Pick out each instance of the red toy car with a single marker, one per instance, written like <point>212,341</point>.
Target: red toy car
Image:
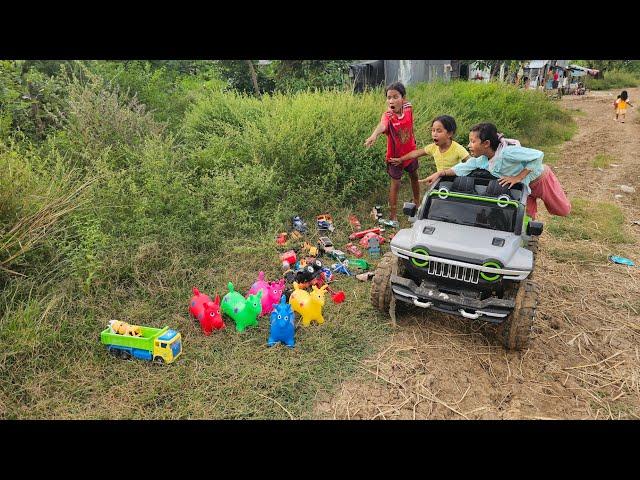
<point>362,233</point>
<point>351,248</point>
<point>364,241</point>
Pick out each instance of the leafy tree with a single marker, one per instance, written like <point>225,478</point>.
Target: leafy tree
<point>296,75</point>
<point>239,76</point>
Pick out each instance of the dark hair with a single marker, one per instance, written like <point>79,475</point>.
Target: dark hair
<point>624,95</point>
<point>487,131</point>
<point>447,122</point>
<point>397,86</point>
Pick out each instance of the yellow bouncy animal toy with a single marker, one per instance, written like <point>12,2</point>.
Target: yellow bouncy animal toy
<point>123,328</point>
<point>308,305</point>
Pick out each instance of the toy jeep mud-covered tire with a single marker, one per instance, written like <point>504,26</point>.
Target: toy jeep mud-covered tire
<point>515,331</point>
<point>532,245</point>
<point>381,286</point>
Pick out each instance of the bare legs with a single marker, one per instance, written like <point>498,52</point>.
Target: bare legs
<point>393,199</point>
<point>393,194</point>
<point>415,187</point>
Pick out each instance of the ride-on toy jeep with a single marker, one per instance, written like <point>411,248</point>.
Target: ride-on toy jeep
<point>470,252</point>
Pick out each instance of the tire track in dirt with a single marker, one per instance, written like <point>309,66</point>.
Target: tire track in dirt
<point>583,361</point>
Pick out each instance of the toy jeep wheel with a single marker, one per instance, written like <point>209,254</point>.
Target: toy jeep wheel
<point>532,246</point>
<point>381,286</point>
<point>159,359</point>
<point>515,331</point>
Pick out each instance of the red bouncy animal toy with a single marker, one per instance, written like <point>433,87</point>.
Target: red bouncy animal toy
<point>206,312</point>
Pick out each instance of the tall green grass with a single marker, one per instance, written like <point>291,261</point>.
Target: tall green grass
<point>613,79</point>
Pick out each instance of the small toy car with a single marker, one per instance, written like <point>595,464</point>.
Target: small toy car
<point>310,249</point>
<point>359,263</point>
<point>362,233</point>
<point>354,222</point>
<point>354,250</point>
<point>364,241</point>
<point>338,255</point>
<point>289,257</point>
<point>341,268</point>
<point>376,212</point>
<point>325,245</point>
<point>299,224</point>
<point>281,238</point>
<point>389,223</point>
<point>325,222</point>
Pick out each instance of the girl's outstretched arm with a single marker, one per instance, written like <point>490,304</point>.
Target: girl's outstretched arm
<point>442,173</point>
<point>411,155</point>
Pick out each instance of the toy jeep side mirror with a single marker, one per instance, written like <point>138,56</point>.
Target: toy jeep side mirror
<point>534,228</point>
<point>409,209</point>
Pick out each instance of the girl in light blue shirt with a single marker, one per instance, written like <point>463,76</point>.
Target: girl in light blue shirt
<point>511,164</point>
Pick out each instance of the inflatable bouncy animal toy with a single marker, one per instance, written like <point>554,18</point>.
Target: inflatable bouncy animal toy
<point>282,324</point>
<point>244,311</point>
<point>309,305</point>
<point>123,328</point>
<point>206,312</point>
<point>271,292</point>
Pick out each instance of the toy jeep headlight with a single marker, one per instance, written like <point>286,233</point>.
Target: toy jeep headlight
<point>417,262</point>
<point>490,277</point>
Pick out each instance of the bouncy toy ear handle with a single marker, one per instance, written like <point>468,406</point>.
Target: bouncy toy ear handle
<point>196,292</point>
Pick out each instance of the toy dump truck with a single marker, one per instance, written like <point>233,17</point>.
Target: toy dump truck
<point>161,345</point>
<point>470,252</point>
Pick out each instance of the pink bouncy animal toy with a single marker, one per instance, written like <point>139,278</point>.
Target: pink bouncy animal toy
<point>309,305</point>
<point>271,293</point>
<point>206,312</point>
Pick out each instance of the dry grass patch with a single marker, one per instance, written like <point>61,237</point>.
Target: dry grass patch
<point>590,220</point>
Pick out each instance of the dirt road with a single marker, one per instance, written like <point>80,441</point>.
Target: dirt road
<point>584,359</point>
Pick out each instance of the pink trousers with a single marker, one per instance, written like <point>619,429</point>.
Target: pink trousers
<point>547,188</point>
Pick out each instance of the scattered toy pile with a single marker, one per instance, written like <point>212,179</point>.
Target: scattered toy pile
<point>302,269</point>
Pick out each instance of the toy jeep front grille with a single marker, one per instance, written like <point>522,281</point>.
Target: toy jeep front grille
<point>454,272</point>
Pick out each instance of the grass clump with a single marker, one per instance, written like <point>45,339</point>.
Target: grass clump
<point>602,160</point>
<point>590,220</point>
<point>579,255</point>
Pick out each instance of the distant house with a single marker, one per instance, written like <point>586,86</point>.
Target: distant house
<point>372,73</point>
<point>536,71</point>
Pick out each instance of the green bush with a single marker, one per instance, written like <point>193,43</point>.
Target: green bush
<point>613,79</point>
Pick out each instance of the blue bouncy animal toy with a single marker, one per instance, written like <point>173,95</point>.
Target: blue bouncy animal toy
<point>282,324</point>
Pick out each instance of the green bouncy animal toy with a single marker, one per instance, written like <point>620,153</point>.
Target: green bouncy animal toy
<point>243,311</point>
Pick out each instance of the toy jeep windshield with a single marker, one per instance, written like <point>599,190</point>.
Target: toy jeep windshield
<point>470,252</point>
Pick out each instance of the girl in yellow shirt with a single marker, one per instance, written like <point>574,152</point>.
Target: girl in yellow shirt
<point>445,151</point>
<point>621,105</point>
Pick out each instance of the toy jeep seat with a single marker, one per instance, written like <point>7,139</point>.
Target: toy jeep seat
<point>480,186</point>
<point>494,189</point>
<point>463,185</point>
